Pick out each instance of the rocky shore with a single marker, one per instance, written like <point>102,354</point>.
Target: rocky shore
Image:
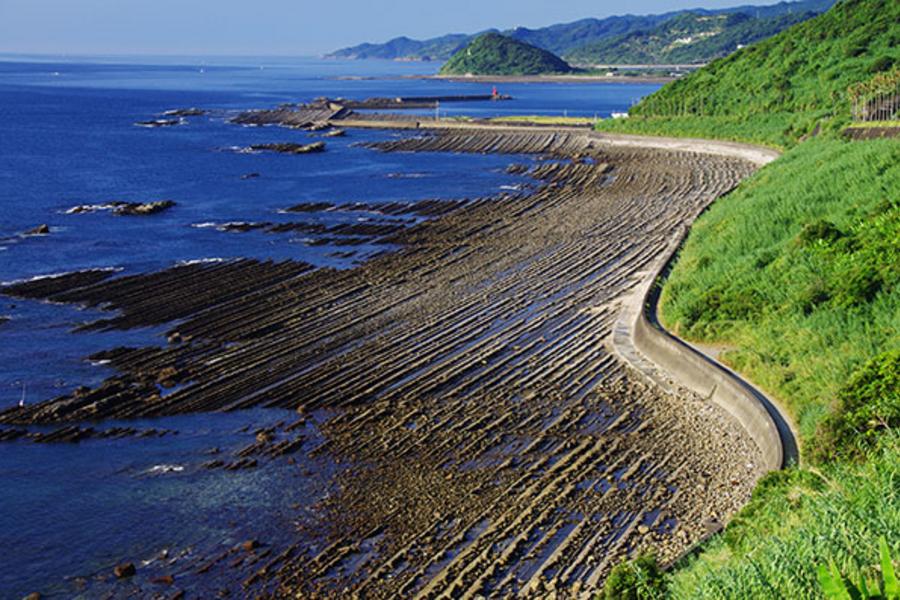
<point>496,445</point>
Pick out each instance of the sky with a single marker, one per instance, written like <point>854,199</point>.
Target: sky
<point>280,27</point>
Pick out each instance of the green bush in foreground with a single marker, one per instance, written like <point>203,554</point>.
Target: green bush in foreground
<point>839,587</point>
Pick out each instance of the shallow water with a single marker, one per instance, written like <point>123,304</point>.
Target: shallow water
<point>67,137</point>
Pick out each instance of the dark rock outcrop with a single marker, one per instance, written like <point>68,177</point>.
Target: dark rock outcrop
<point>124,208</point>
<point>185,112</point>
<point>39,230</point>
<point>125,570</point>
<point>291,148</point>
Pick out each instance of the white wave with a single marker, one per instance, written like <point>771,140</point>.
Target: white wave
<point>84,208</point>
<point>200,261</point>
<point>163,469</point>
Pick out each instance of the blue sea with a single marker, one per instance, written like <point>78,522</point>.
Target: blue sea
<point>68,138</point>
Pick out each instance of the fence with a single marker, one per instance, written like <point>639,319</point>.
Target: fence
<point>877,99</point>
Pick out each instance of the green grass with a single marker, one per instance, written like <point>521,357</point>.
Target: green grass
<point>798,271</point>
<point>797,521</point>
<point>806,68</point>
<point>869,124</point>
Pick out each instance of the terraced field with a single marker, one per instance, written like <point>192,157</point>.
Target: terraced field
<point>494,446</point>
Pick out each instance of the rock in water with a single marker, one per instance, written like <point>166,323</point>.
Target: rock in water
<point>143,209</point>
<point>125,570</point>
<point>291,148</point>
<point>39,230</point>
<point>124,208</point>
<point>185,112</point>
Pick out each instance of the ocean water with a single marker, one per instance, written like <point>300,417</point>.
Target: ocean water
<point>68,138</point>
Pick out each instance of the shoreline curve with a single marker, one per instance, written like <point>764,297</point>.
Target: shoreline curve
<point>639,339</point>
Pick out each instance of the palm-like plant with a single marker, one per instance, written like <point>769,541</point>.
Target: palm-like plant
<point>837,587</point>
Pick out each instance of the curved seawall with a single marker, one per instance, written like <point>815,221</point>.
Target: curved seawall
<point>639,339</point>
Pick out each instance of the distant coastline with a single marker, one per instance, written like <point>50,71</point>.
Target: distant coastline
<point>544,78</point>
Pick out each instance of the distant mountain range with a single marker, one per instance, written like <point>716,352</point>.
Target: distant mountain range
<point>682,36</point>
<point>686,39</point>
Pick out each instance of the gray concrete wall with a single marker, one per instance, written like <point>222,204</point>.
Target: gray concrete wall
<point>670,362</point>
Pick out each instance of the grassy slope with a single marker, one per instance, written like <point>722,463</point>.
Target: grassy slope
<point>797,271</point>
<point>494,54</point>
<point>802,312</point>
<point>781,86</point>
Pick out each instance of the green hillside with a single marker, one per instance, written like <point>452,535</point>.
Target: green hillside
<point>495,54</point>
<point>797,274</point>
<point>779,89</point>
<point>689,38</point>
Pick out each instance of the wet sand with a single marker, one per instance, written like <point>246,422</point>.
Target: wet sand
<point>497,446</point>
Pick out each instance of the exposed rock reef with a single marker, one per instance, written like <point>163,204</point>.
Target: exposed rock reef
<point>133,209</point>
<point>496,446</point>
<point>290,148</point>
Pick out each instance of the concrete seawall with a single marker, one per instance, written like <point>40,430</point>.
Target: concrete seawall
<point>640,340</point>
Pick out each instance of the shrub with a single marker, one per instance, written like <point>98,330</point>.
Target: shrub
<point>859,286</point>
<point>882,64</point>
<point>640,579</point>
<point>868,405</point>
<point>820,230</point>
